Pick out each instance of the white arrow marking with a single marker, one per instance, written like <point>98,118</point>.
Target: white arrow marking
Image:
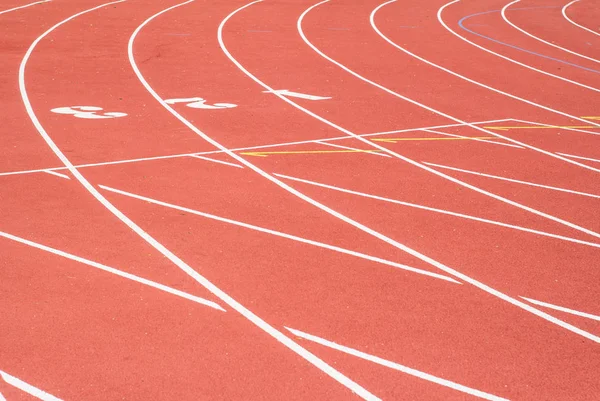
<point>286,92</point>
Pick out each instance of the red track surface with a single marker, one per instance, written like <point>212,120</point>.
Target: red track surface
<point>436,246</point>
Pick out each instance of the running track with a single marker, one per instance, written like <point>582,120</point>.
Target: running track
<point>301,200</point>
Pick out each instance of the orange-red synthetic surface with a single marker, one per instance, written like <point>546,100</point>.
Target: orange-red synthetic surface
<point>344,200</point>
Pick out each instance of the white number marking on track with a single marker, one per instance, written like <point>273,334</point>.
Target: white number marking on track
<point>200,103</point>
<point>88,112</point>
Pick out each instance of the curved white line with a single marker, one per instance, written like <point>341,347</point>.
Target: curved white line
<point>374,26</point>
<point>564,13</point>
<point>420,165</point>
<point>503,12</point>
<point>279,336</point>
<point>23,6</point>
<point>439,14</point>
<point>358,225</point>
<point>308,356</point>
<point>28,388</point>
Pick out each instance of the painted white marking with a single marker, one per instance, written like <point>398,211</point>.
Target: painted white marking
<point>174,156</point>
<point>563,309</point>
<point>281,234</point>
<point>439,16</point>
<point>503,12</point>
<point>442,211</point>
<point>440,11</point>
<point>200,103</point>
<point>2,397</point>
<point>396,366</point>
<point>355,149</point>
<point>23,6</point>
<point>417,164</point>
<point>276,334</point>
<point>114,271</point>
<point>580,157</point>
<point>87,112</point>
<point>354,223</point>
<point>473,139</point>
<point>217,161</point>
<point>260,323</point>
<point>57,174</point>
<point>28,388</point>
<point>285,92</point>
<point>558,127</point>
<point>564,13</point>
<point>513,180</point>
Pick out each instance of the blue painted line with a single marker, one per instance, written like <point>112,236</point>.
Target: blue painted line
<point>461,24</point>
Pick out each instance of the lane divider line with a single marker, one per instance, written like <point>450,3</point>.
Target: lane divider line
<point>580,157</point>
<point>281,234</point>
<point>112,270</point>
<point>564,13</point>
<point>272,331</point>
<point>23,6</point>
<point>440,19</point>
<point>497,177</point>
<point>356,224</point>
<point>563,309</point>
<point>442,211</point>
<point>396,366</point>
<point>260,323</point>
<point>460,23</point>
<point>503,12</point>
<point>27,388</point>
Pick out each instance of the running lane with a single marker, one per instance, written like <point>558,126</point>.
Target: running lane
<point>585,14</point>
<point>544,20</point>
<point>330,299</point>
<point>80,333</point>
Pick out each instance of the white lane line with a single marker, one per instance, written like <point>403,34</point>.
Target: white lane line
<point>355,149</point>
<point>281,234</point>
<point>513,180</point>
<point>279,336</point>
<point>417,164</point>
<point>399,131</point>
<point>563,309</point>
<point>440,11</point>
<point>374,26</point>
<point>28,388</point>
<point>112,270</point>
<point>24,6</point>
<point>260,323</point>
<point>273,145</point>
<point>362,227</point>
<point>217,161</point>
<point>564,13</point>
<point>442,211</point>
<point>2,397</point>
<point>503,12</point>
<point>396,366</point>
<point>473,139</point>
<point>559,127</point>
<point>57,174</point>
<point>580,157</point>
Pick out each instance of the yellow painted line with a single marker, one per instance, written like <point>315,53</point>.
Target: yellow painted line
<point>394,140</point>
<point>306,152</point>
<point>591,118</point>
<point>543,127</point>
